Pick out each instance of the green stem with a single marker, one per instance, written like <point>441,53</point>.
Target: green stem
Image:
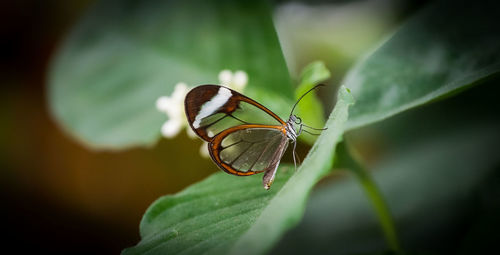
<point>348,159</point>
<point>381,208</point>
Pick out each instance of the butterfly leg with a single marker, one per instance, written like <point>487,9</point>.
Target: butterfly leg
<point>304,125</point>
<point>310,132</point>
<point>312,127</point>
<point>295,146</point>
<point>293,154</point>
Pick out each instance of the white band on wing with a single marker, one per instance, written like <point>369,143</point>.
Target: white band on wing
<point>213,105</point>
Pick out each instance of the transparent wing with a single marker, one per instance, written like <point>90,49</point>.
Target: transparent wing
<point>210,109</point>
<point>248,149</point>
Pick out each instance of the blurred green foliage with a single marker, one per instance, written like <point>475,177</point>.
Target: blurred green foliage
<point>437,52</point>
<point>310,108</point>
<point>438,172</point>
<point>124,54</point>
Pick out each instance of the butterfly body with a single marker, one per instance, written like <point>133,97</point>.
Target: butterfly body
<point>244,137</point>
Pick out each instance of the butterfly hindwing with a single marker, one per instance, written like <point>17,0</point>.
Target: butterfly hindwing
<point>248,149</point>
<point>210,109</point>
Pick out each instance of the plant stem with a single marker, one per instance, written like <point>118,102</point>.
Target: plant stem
<point>381,208</point>
<point>348,159</point>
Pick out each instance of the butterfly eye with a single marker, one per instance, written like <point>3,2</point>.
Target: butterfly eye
<point>298,120</point>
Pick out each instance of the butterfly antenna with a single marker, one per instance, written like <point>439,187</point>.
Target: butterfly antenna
<point>300,98</point>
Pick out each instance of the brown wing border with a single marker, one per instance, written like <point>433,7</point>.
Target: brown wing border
<point>214,147</point>
<point>197,96</point>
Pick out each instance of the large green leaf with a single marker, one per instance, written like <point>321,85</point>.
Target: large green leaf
<point>225,214</point>
<point>445,47</point>
<point>431,187</point>
<point>433,165</point>
<point>123,55</point>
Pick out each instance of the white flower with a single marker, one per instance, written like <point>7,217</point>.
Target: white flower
<point>237,80</point>
<point>225,77</point>
<point>173,106</point>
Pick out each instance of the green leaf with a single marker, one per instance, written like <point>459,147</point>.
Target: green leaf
<point>313,74</point>
<point>449,45</point>
<point>123,55</point>
<point>348,158</point>
<point>207,216</point>
<point>310,108</point>
<point>433,165</point>
<point>428,189</point>
<point>225,214</point>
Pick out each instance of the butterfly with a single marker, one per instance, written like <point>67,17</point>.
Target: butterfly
<point>244,137</point>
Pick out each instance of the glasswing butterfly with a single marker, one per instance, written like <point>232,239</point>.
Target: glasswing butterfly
<point>244,137</point>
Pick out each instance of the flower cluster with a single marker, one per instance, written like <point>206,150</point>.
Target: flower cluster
<point>236,81</point>
<point>173,105</point>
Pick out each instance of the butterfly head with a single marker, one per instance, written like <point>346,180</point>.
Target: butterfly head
<point>290,127</point>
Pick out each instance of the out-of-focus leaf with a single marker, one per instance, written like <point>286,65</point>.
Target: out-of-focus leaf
<point>445,47</point>
<point>335,32</point>
<point>310,109</point>
<point>123,55</point>
<point>429,187</point>
<point>434,166</point>
<point>224,214</point>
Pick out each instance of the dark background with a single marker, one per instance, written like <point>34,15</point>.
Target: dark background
<point>58,196</point>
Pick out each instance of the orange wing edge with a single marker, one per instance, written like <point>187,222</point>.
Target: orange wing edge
<point>216,143</point>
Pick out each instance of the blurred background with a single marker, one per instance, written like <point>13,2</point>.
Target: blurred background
<point>59,196</point>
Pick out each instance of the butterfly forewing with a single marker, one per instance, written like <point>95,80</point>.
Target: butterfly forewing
<point>210,109</point>
<point>248,149</point>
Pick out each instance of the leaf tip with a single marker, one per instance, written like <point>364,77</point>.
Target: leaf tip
<point>312,74</point>
<point>345,95</point>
